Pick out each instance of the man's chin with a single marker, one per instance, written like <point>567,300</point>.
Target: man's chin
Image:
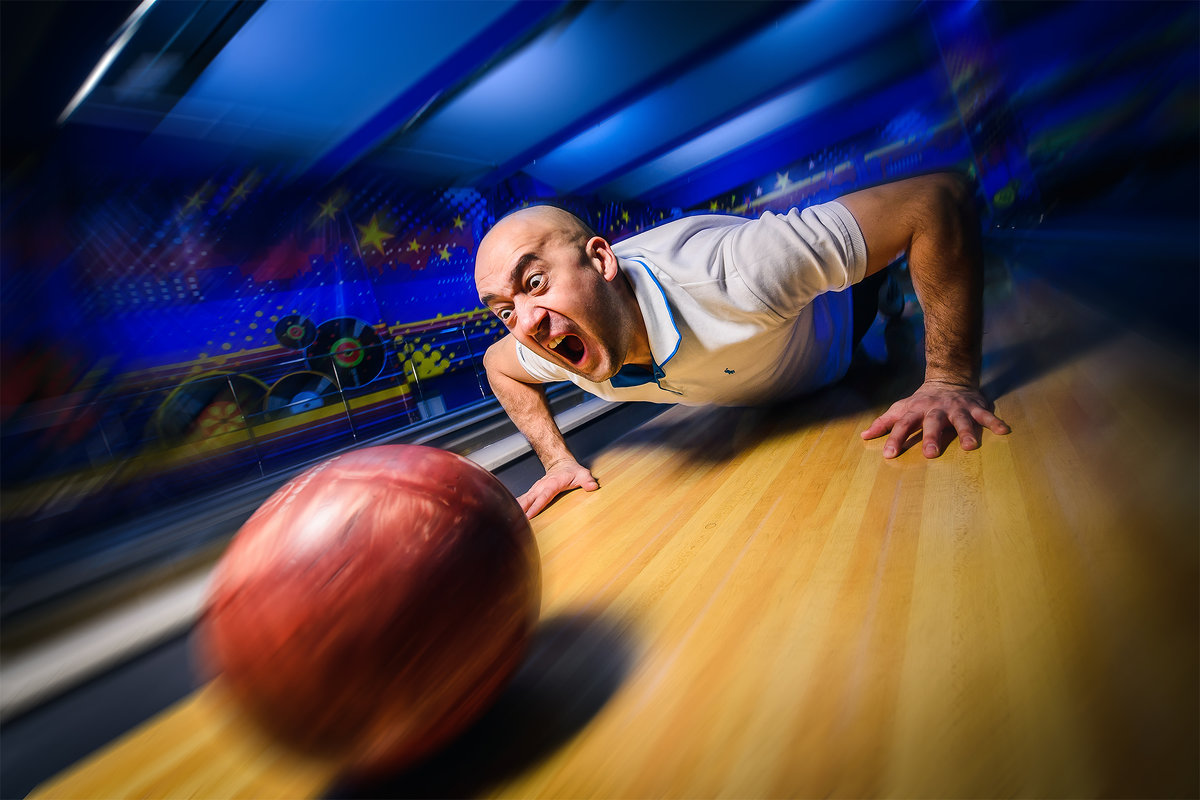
<point>596,373</point>
<point>596,366</point>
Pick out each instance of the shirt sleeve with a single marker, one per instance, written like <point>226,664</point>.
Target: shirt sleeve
<point>788,259</point>
<point>538,367</point>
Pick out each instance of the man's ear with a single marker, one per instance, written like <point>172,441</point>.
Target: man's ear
<point>601,254</point>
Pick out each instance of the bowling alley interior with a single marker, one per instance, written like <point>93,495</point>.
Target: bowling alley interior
<point>238,250</point>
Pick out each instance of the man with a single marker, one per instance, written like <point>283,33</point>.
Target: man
<point>723,310</point>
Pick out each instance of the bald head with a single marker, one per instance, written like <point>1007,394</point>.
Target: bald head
<point>533,229</point>
<point>548,220</point>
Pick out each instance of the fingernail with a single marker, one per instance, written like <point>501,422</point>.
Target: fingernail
<point>931,450</point>
<point>889,451</point>
<point>969,442</point>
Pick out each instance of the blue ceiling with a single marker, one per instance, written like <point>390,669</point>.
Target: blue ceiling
<point>632,99</point>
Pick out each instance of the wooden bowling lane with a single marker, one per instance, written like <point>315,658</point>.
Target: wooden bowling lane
<point>813,621</point>
<point>201,747</point>
<point>756,604</point>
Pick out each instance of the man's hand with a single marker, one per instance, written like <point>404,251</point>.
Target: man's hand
<point>932,218</point>
<point>560,477</point>
<point>938,410</point>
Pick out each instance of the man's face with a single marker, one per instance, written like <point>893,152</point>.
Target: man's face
<point>554,290</point>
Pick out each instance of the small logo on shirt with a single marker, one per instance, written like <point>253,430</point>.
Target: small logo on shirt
<point>728,371</point>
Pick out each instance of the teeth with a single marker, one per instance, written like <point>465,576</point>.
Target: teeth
<point>555,342</point>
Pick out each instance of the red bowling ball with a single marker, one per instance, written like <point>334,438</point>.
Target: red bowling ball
<point>375,605</point>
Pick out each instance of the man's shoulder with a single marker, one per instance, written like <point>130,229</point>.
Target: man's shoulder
<point>672,230</point>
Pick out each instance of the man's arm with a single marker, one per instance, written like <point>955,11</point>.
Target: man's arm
<point>525,402</point>
<point>932,219</point>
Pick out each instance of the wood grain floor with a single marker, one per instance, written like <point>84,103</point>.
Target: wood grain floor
<point>756,604</point>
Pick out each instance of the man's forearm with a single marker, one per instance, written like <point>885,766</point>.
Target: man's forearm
<point>933,219</point>
<point>527,407</point>
<point>945,262</point>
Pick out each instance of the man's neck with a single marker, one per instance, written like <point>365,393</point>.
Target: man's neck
<point>639,353</point>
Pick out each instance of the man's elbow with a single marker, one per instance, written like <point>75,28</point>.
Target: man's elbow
<point>950,192</point>
<point>491,357</point>
<point>945,207</point>
<point>952,218</point>
<point>500,362</point>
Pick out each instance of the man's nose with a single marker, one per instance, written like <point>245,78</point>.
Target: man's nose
<point>530,317</point>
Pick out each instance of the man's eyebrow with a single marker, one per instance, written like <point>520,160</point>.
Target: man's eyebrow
<point>514,277</point>
<point>519,268</point>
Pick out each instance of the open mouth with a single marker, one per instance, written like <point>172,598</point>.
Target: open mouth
<point>569,346</point>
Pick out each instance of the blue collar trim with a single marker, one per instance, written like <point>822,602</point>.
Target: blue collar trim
<point>665,306</point>
<point>633,374</point>
<point>636,375</point>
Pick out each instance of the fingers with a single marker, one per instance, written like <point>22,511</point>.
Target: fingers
<point>907,425</point>
<point>991,421</point>
<point>878,428</point>
<point>968,429</point>
<point>937,427</point>
<point>535,500</point>
<point>580,477</point>
<point>577,476</point>
<point>933,427</point>
<point>540,495</point>
<point>883,424</point>
<point>549,487</point>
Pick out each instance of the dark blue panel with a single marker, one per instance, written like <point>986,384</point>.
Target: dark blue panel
<point>300,76</point>
<point>449,71</point>
<point>807,38</point>
<point>805,136</point>
<point>576,69</point>
<point>851,78</point>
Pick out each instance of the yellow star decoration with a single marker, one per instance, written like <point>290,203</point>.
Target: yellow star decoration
<point>372,236</point>
<point>241,190</point>
<point>625,216</point>
<point>413,245</point>
<point>712,206</point>
<point>459,222</point>
<point>444,253</point>
<point>781,180</point>
<point>197,200</point>
<point>330,208</point>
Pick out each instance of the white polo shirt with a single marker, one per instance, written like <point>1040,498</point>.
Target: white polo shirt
<point>739,311</point>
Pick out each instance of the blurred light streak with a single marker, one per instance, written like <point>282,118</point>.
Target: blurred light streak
<point>123,35</point>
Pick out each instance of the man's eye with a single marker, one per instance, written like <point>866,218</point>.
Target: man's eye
<point>504,314</point>
<point>536,280</point>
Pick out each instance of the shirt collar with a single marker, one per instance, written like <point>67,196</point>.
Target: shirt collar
<point>661,329</point>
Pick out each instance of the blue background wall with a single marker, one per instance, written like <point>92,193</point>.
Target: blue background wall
<point>161,242</point>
